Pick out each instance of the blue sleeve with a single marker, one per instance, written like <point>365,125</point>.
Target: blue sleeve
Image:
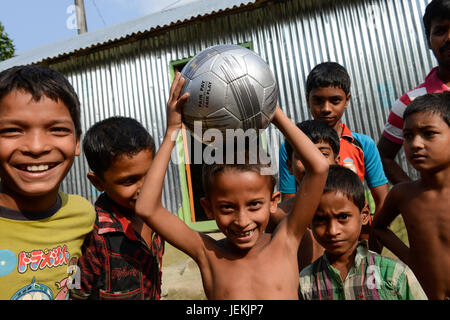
<point>374,173</point>
<point>287,180</point>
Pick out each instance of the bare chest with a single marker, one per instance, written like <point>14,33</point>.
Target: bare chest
<point>268,275</point>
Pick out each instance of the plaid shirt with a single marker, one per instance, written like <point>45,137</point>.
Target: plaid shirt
<point>116,262</point>
<point>372,277</point>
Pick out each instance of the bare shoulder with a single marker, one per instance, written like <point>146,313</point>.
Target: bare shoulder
<point>404,190</point>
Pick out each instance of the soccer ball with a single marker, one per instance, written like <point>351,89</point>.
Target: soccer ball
<point>230,87</point>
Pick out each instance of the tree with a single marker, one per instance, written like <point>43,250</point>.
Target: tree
<point>6,45</point>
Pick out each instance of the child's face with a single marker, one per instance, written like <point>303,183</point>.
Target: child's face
<point>38,144</point>
<point>123,180</point>
<point>241,202</point>
<point>439,41</point>
<point>337,224</point>
<point>426,140</point>
<point>328,104</point>
<point>296,167</point>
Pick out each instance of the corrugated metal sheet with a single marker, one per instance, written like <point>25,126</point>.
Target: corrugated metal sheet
<point>153,22</point>
<point>380,42</point>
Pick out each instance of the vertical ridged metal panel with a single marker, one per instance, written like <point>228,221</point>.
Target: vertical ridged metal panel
<point>380,42</point>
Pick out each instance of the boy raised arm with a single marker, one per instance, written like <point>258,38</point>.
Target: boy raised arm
<point>316,165</point>
<point>149,205</point>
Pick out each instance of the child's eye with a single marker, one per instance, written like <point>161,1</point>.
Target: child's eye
<point>9,131</point>
<point>343,216</point>
<point>429,133</point>
<point>60,130</point>
<point>226,208</point>
<point>255,205</point>
<point>407,136</point>
<point>336,100</point>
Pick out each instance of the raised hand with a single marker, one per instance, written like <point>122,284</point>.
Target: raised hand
<point>175,103</point>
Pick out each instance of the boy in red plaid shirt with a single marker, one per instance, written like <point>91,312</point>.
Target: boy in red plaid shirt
<point>122,255</point>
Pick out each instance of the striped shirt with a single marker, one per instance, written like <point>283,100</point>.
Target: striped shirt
<point>393,130</point>
<point>372,277</point>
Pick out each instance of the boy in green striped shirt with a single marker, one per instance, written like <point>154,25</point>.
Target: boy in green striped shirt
<point>348,270</point>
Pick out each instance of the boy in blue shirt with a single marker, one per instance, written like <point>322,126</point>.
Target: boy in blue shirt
<point>327,96</point>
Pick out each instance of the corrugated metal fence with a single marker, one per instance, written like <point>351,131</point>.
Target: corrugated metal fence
<point>381,43</point>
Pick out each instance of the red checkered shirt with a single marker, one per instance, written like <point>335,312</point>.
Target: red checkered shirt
<point>116,261</point>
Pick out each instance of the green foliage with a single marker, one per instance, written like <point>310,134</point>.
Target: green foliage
<point>6,45</point>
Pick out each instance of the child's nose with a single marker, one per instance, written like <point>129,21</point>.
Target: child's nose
<point>326,107</point>
<point>36,143</point>
<point>333,229</point>
<point>417,142</point>
<point>241,219</point>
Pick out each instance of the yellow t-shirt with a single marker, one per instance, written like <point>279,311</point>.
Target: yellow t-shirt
<point>38,258</point>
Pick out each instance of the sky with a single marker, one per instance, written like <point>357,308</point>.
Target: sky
<point>33,23</point>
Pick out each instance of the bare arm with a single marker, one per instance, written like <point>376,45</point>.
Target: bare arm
<point>148,204</point>
<point>310,192</point>
<point>379,195</point>
<point>383,219</point>
<point>388,150</point>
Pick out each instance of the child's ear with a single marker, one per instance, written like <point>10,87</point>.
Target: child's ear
<point>338,159</point>
<point>96,181</point>
<point>348,99</point>
<point>365,214</point>
<point>78,147</point>
<point>276,197</point>
<point>207,208</point>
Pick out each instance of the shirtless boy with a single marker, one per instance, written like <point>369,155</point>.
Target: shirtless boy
<point>424,204</point>
<point>248,263</point>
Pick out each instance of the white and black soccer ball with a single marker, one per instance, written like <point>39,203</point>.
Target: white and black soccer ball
<point>230,87</point>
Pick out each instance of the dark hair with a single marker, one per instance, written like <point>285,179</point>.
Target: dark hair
<point>436,103</point>
<point>42,81</point>
<point>252,162</point>
<point>436,10</point>
<point>112,137</point>
<point>328,74</point>
<point>317,131</point>
<point>344,180</point>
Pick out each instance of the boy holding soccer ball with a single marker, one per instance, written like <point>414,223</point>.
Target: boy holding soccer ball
<point>240,198</point>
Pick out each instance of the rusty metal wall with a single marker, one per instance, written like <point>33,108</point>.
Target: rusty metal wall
<point>380,42</point>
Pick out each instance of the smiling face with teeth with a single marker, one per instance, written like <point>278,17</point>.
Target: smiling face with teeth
<point>241,202</point>
<point>38,143</point>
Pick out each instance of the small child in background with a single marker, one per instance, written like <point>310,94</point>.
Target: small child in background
<point>326,140</point>
<point>41,229</point>
<point>248,263</point>
<point>348,270</point>
<point>122,256</point>
<point>424,204</point>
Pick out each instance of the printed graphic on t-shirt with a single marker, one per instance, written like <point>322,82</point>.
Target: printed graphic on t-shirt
<point>40,260</point>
